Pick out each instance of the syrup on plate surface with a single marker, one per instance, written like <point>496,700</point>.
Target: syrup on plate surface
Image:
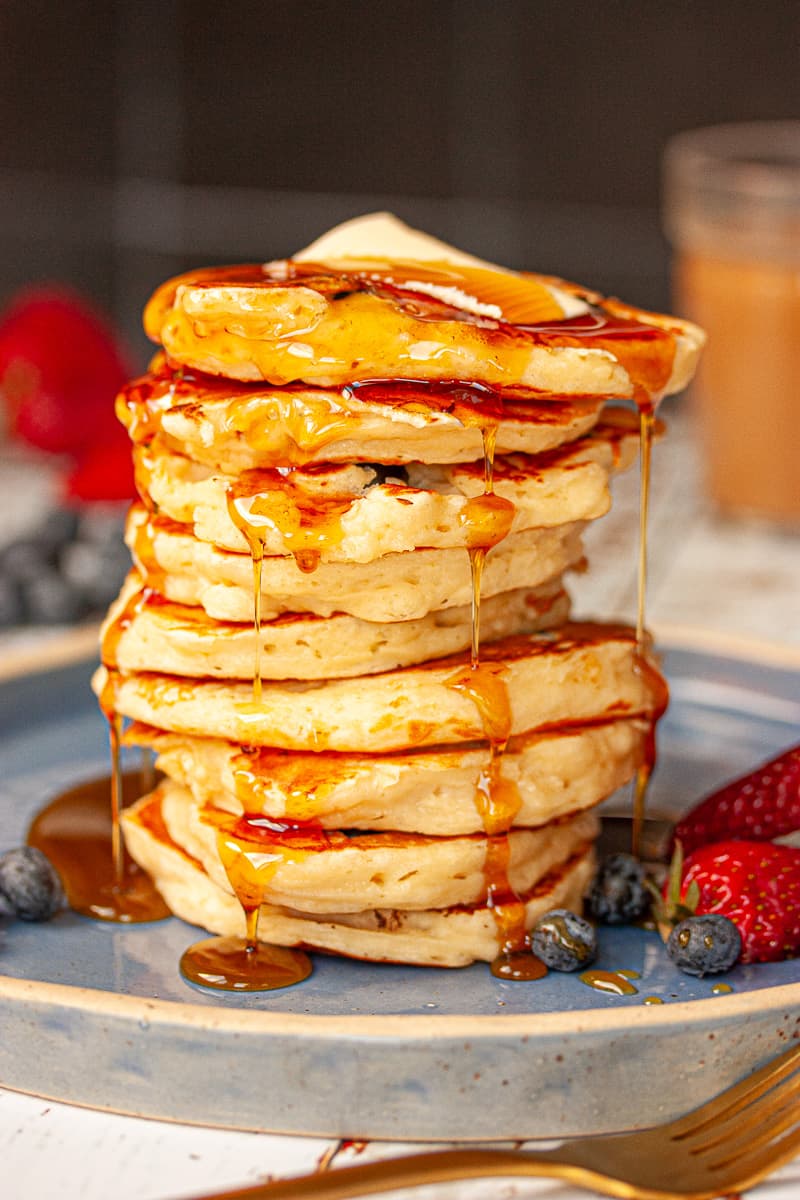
<point>75,831</point>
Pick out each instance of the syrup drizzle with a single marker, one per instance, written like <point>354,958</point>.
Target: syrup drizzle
<point>250,851</point>
<point>647,410</point>
<point>497,799</point>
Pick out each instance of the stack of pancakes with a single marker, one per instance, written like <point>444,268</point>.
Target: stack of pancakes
<point>364,473</point>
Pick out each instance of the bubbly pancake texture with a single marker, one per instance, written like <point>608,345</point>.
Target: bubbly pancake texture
<point>354,514</point>
<point>430,791</point>
<point>452,937</point>
<point>144,632</point>
<point>359,316</point>
<point>234,427</point>
<point>583,672</point>
<point>333,871</point>
<point>396,587</point>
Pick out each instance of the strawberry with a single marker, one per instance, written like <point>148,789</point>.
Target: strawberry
<point>103,472</point>
<point>759,806</point>
<point>756,885</point>
<point>60,369</point>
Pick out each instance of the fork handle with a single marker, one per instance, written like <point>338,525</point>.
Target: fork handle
<point>413,1170</point>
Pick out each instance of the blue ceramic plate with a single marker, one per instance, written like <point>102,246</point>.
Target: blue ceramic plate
<point>421,1052</point>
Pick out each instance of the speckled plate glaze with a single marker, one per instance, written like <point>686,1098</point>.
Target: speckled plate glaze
<point>99,1015</point>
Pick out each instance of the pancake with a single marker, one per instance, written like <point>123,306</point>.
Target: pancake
<point>584,672</point>
<point>431,791</point>
<point>332,871</point>
<point>363,473</point>
<point>144,632</point>
<point>233,427</point>
<point>396,587</point>
<point>347,513</point>
<point>451,937</point>
<point>350,315</point>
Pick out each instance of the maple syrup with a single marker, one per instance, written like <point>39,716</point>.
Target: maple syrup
<point>251,851</point>
<point>235,964</point>
<point>497,799</point>
<point>613,983</point>
<point>76,831</point>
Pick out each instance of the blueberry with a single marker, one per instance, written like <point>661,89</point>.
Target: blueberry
<point>12,609</point>
<point>102,524</point>
<point>704,945</point>
<point>58,528</point>
<point>30,884</point>
<point>563,940</point>
<point>618,894</point>
<point>386,474</point>
<point>96,570</point>
<point>24,559</point>
<point>52,600</point>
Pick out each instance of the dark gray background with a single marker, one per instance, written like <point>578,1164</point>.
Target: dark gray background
<point>139,137</point>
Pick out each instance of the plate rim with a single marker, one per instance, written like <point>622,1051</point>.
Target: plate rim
<point>420,1026</point>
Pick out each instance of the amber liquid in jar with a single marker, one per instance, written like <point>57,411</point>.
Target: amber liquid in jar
<point>747,391</point>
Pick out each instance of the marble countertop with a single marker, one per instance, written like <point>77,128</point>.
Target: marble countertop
<point>732,585</point>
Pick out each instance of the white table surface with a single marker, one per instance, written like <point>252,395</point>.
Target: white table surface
<point>733,585</point>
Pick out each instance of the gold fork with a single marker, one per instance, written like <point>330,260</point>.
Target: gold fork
<point>726,1145</point>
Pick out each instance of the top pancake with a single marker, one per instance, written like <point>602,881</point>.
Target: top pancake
<point>354,308</point>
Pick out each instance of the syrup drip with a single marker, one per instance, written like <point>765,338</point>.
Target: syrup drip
<point>76,833</point>
<point>143,549</point>
<point>613,983</point>
<point>117,851</point>
<point>265,502</point>
<point>647,409</point>
<point>519,966</point>
<point>290,428</point>
<point>268,501</point>
<point>251,852</point>
<point>498,801</point>
<point>257,554</point>
<point>113,889</point>
<point>290,425</point>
